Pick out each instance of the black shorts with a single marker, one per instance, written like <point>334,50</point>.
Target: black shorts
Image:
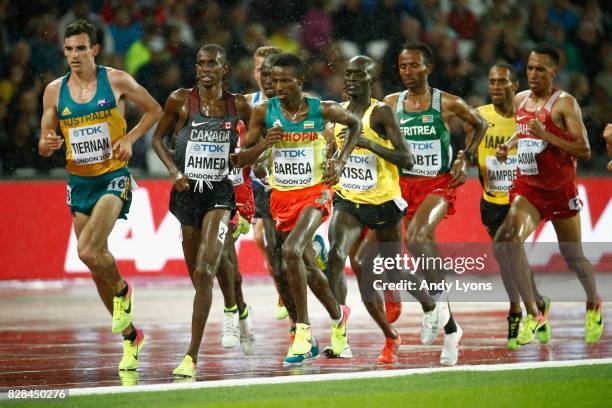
<point>492,215</point>
<point>189,207</point>
<point>262,202</point>
<point>373,216</point>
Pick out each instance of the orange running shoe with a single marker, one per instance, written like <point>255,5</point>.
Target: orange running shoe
<point>389,353</point>
<point>393,310</point>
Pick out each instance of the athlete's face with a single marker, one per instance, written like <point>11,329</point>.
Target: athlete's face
<point>210,68</point>
<point>357,78</point>
<point>413,69</point>
<point>266,79</point>
<point>541,71</point>
<point>257,71</point>
<point>79,53</point>
<point>287,85</point>
<point>501,87</point>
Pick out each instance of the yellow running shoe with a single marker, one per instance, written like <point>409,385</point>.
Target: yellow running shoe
<point>339,339</point>
<point>186,369</point>
<point>131,351</point>
<point>123,310</point>
<point>529,327</point>
<point>593,327</point>
<point>243,227</point>
<point>545,332</point>
<point>281,310</point>
<point>302,343</point>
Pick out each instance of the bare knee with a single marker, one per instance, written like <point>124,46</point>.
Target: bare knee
<point>291,254</point>
<point>89,254</point>
<point>203,276</point>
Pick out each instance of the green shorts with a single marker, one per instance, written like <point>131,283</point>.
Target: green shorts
<point>85,192</point>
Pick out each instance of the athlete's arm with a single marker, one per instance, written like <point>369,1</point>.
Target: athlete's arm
<point>49,141</point>
<point>501,151</point>
<point>572,116</point>
<point>383,122</point>
<point>243,108</point>
<point>254,144</point>
<point>457,107</point>
<point>328,134</point>
<point>127,87</point>
<point>174,103</point>
<point>334,112</point>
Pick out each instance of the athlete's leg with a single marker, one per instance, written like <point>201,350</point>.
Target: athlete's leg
<point>570,243</point>
<point>213,237</point>
<point>344,231</point>
<point>92,235</point>
<point>372,302</point>
<point>227,271</point>
<point>274,254</point>
<point>293,250</point>
<point>522,220</point>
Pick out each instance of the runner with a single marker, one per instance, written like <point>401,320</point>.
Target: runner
<point>429,187</point>
<point>87,104</point>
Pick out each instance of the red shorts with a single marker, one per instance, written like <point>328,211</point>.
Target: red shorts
<point>416,189</point>
<point>245,204</point>
<point>552,204</point>
<point>286,206</point>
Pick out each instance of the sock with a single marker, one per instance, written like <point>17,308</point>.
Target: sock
<point>450,327</point>
<point>244,314</point>
<point>233,309</point>
<point>123,291</point>
<point>519,315</point>
<point>131,336</point>
<point>337,321</point>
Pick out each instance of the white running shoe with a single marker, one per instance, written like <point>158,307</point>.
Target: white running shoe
<point>450,351</point>
<point>231,330</point>
<point>247,339</point>
<point>433,321</point>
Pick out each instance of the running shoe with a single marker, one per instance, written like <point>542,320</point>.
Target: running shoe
<point>304,346</point>
<point>450,350</point>
<point>339,338</point>
<point>243,227</point>
<point>433,321</point>
<point>131,351</point>
<point>123,310</point>
<point>247,339</point>
<point>390,351</point>
<point>514,323</point>
<point>231,329</point>
<point>293,359</point>
<point>528,328</point>
<point>187,368</point>
<point>321,250</point>
<point>393,310</point>
<point>593,325</point>
<point>281,310</point>
<point>346,353</point>
<point>545,332</point>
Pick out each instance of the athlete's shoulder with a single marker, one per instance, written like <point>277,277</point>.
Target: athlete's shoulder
<point>55,85</point>
<point>485,109</point>
<point>180,94</point>
<point>391,99</point>
<point>518,98</point>
<point>52,90</point>
<point>249,97</point>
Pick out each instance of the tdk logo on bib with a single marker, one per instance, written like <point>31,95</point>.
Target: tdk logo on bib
<point>202,148</point>
<point>294,153</point>
<point>87,131</point>
<point>354,159</point>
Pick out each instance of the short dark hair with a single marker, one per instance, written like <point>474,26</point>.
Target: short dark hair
<point>289,61</point>
<point>427,53</point>
<point>82,26</point>
<point>266,51</point>
<point>510,68</point>
<point>547,49</point>
<point>215,48</point>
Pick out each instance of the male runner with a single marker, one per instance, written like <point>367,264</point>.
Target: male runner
<point>205,120</point>
<point>300,200</point>
<point>496,179</point>
<point>88,104</point>
<point>429,187</point>
<point>264,233</point>
<point>550,136</point>
<point>368,193</point>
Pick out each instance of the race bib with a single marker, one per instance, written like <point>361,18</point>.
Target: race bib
<point>528,150</point>
<point>500,175</point>
<point>206,161</point>
<point>427,157</point>
<point>91,144</point>
<point>293,166</point>
<point>359,173</point>
<point>236,176</point>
